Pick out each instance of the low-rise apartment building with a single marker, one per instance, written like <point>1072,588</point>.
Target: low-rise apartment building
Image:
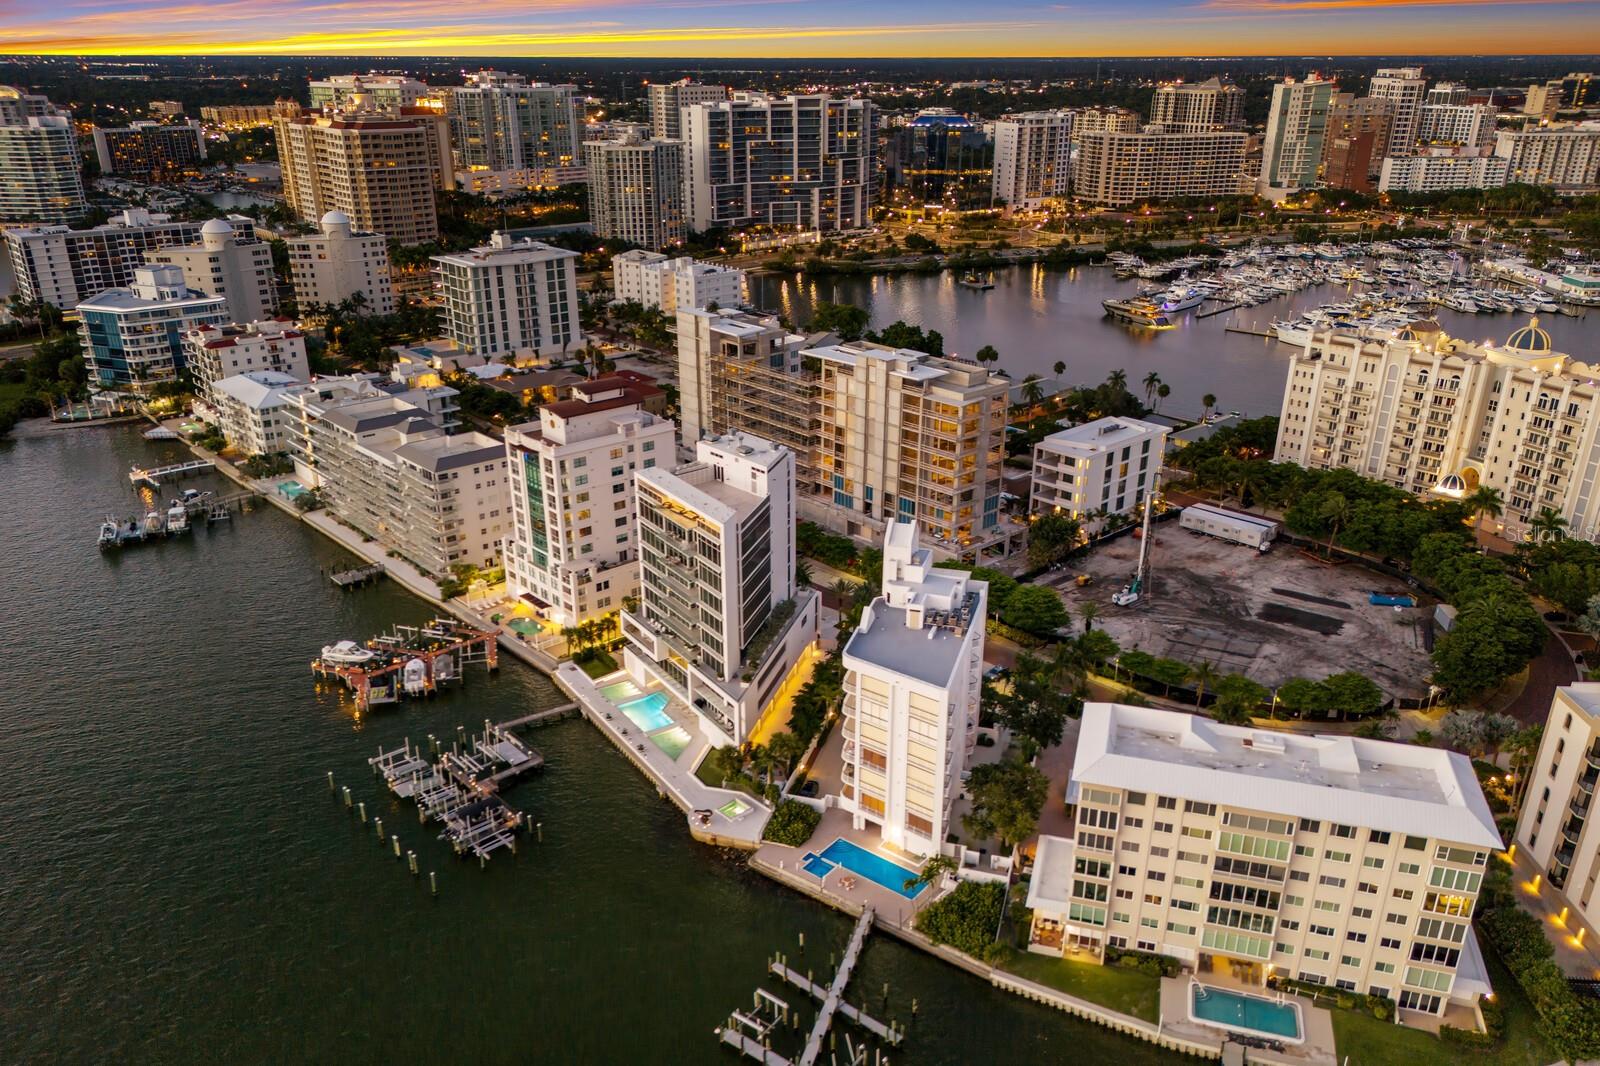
<point>654,280</point>
<point>250,410</point>
<point>215,352</point>
<point>1333,860</point>
<point>1105,467</point>
<point>1443,170</point>
<point>236,268</point>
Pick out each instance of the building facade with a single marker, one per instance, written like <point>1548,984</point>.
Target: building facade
<point>1406,87</point>
<point>1105,467</point>
<point>939,157</point>
<point>368,92</point>
<point>1439,416</point>
<point>1334,860</point>
<point>1566,157</point>
<point>1463,125</point>
<point>382,171</point>
<point>1441,170</point>
<point>41,173</point>
<point>573,549</point>
<point>720,622</point>
<point>251,410</point>
<point>794,162</point>
<point>1105,120</point>
<point>652,279</point>
<point>215,352</point>
<point>339,264</point>
<point>913,677</point>
<point>1554,834</point>
<point>636,190</point>
<point>669,98</point>
<point>1032,157</point>
<point>1297,127</point>
<point>133,337</point>
<point>512,299</point>
<point>151,151</point>
<point>64,266</point>
<point>1357,141</point>
<point>503,123</point>
<point>1197,107</point>
<point>1117,169</point>
<point>238,116</point>
<point>239,269</point>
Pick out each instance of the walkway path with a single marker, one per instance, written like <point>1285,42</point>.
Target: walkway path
<point>1552,669</point>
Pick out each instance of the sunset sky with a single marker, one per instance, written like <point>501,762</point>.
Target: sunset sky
<point>797,28</point>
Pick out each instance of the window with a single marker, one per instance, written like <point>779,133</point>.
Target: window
<point>1133,823</point>
<point>1378,836</point>
<point>1409,868</point>
<point>1360,912</point>
<point>1383,967</point>
<point>1206,810</point>
<point>1166,803</point>
<point>1349,960</point>
<point>1163,827</point>
<point>1355,937</point>
<point>1336,856</point>
<point>1322,930</point>
<point>1327,906</point>
<point>1461,856</point>
<point>1346,831</point>
<point>1415,843</point>
<point>1310,825</point>
<point>1316,953</point>
<point>1389,942</point>
<point>1330,881</point>
<point>1128,871</point>
<point>1182,930</point>
<point>1134,799</point>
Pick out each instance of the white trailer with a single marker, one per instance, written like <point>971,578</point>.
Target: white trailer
<point>1252,532</point>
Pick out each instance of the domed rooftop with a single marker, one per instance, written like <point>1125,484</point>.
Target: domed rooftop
<point>1451,485</point>
<point>1530,338</point>
<point>336,218</point>
<point>218,226</point>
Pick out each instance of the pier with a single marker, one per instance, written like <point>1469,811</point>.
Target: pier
<point>751,1033</point>
<point>1250,332</point>
<point>358,576</point>
<point>152,476</point>
<point>411,661</point>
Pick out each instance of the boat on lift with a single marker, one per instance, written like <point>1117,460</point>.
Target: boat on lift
<point>177,519</point>
<point>108,534</point>
<point>155,524</point>
<point>347,653</point>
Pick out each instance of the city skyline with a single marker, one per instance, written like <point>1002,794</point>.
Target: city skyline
<point>780,29</point>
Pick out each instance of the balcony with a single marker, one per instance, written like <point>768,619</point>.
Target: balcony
<point>1571,830</point>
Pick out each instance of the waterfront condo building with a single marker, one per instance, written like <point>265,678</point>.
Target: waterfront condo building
<point>1461,125</point>
<point>720,621</point>
<point>215,352</point>
<point>151,151</point>
<point>1196,107</point>
<point>939,157</point>
<point>636,190</point>
<point>339,263</point>
<point>1105,467</point>
<point>63,266</point>
<point>668,99</point>
<point>1407,88</point>
<point>250,409</point>
<point>1297,125</point>
<point>41,175</point>
<point>1032,157</point>
<point>913,677</point>
<point>794,162</point>
<point>238,269</point>
<point>510,299</point>
<point>133,337</point>
<point>1556,842</point>
<point>369,92</point>
<point>1118,169</point>
<point>1357,140</point>
<point>573,549</point>
<point>1333,860</point>
<point>652,279</point>
<point>502,124</point>
<point>1436,415</point>
<point>907,436</point>
<point>1565,157</point>
<point>381,170</point>
<point>1443,169</point>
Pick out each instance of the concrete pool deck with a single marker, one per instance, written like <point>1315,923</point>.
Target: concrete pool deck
<point>1317,1023</point>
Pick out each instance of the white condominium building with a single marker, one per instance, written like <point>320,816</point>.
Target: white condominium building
<point>215,352</point>
<point>913,676</point>
<point>1467,125</point>
<point>1105,120</point>
<point>1447,92</point>
<point>905,436</point>
<point>1567,157</point>
<point>1195,107</point>
<point>41,174</point>
<point>63,266</point>
<point>512,299</point>
<point>339,264</point>
<point>251,410</point>
<point>133,336</point>
<point>369,92</point>
<point>1333,860</point>
<point>1032,157</point>
<point>669,98</point>
<point>796,162</point>
<point>501,122</point>
<point>720,622</point>
<point>1439,170</point>
<point>238,269</point>
<point>1430,413</point>
<point>652,279</point>
<point>636,190</point>
<point>1117,169</point>
<point>573,549</point>
<point>1105,467</point>
<point>1407,88</point>
<point>1554,832</point>
<point>1297,125</point>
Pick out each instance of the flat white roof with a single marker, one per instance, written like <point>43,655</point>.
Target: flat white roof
<point>1102,433</point>
<point>929,654</point>
<point>1051,887</point>
<point>1376,784</point>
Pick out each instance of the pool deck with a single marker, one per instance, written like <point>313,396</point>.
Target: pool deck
<point>1318,1049</point>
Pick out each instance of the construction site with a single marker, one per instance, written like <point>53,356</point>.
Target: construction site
<point>1270,616</point>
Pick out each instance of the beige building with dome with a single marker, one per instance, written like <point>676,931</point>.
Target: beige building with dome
<point>231,264</point>
<point>1440,416</point>
<point>338,263</point>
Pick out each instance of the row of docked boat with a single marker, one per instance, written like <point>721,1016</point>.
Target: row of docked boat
<point>155,525</point>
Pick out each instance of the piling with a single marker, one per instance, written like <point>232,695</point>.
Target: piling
<point>396,846</point>
<point>411,860</point>
<point>433,882</point>
<point>379,823</point>
<point>361,809</point>
<point>330,781</point>
<point>347,796</point>
<point>539,826</point>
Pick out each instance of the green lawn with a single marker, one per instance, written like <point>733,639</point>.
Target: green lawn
<point>1121,989</point>
<point>706,772</point>
<point>597,662</point>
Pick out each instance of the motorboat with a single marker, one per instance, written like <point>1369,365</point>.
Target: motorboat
<point>1178,298</point>
<point>1137,312</point>
<point>177,519</point>
<point>155,524</point>
<point>347,653</point>
<point>973,281</point>
<point>1295,333</point>
<point>108,534</point>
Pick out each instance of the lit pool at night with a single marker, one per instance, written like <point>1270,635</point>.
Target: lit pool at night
<point>618,691</point>
<point>876,868</point>
<point>1243,1013</point>
<point>648,712</point>
<point>672,741</point>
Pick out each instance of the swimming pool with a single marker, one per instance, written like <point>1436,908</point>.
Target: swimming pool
<point>1244,1013</point>
<point>526,626</point>
<point>618,691</point>
<point>648,712</point>
<point>858,860</point>
<point>816,865</point>
<point>672,741</point>
<point>734,808</point>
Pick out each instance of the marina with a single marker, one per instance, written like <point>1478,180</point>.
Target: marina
<point>408,661</point>
<point>152,477</point>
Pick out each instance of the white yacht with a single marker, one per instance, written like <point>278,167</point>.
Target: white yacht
<point>177,519</point>
<point>347,653</point>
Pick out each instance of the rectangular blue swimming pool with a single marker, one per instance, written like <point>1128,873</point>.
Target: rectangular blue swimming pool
<point>648,712</point>
<point>875,868</point>
<point>817,866</point>
<point>1244,1013</point>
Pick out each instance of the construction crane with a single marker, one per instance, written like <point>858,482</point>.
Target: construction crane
<point>1129,594</point>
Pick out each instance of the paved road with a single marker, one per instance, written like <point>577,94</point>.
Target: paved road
<point>1552,669</point>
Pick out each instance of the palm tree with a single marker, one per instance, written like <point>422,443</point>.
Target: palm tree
<point>1065,668</point>
<point>1032,391</point>
<point>802,573</point>
<point>1209,401</point>
<point>1204,674</point>
<point>1088,612</point>
<point>1152,382</point>
<point>1060,368</point>
<point>1335,511</point>
<point>1117,379</point>
<point>1485,502</point>
<point>935,868</point>
<point>1162,392</point>
<point>1548,525</point>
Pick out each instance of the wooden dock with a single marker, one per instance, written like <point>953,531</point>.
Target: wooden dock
<point>152,476</point>
<point>443,647</point>
<point>358,576</point>
<point>554,714</point>
<point>1251,332</point>
<point>1218,310</point>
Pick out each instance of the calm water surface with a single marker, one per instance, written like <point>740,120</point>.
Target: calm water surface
<point>180,887</point>
<point>1035,316</point>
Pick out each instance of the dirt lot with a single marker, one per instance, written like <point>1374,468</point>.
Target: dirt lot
<point>1270,617</point>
